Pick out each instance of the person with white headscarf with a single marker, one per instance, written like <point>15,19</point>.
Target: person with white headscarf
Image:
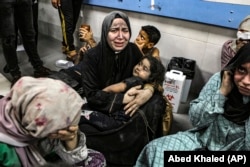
<point>40,116</point>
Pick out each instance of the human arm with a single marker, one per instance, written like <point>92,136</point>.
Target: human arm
<point>68,137</point>
<point>124,85</point>
<point>116,88</point>
<point>87,36</point>
<point>209,104</point>
<point>141,96</point>
<point>156,53</point>
<point>69,144</point>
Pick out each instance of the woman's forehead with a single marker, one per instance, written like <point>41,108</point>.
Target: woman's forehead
<point>119,22</point>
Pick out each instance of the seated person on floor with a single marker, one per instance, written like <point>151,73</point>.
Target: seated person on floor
<point>147,38</point>
<point>220,115</point>
<point>40,117</point>
<point>112,61</point>
<point>148,70</point>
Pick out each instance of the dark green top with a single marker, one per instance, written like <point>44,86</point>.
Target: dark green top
<point>8,156</point>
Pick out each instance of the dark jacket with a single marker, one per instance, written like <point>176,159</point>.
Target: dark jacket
<point>101,70</point>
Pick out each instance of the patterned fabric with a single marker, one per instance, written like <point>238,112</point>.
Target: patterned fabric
<point>228,51</point>
<point>212,131</point>
<point>32,110</point>
<point>95,159</point>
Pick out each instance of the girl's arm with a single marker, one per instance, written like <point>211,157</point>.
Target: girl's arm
<point>124,86</point>
<point>116,88</point>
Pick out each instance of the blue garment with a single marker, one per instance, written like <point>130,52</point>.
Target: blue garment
<point>212,130</point>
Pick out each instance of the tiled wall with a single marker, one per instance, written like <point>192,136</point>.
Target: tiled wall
<point>191,40</point>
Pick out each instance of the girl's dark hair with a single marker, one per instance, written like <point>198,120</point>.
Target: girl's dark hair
<point>157,71</point>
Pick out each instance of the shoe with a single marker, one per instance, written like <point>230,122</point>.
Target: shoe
<point>64,64</point>
<point>42,71</point>
<point>14,80</point>
<point>71,55</point>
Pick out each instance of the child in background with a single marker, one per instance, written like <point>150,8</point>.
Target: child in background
<point>146,40</point>
<point>148,70</point>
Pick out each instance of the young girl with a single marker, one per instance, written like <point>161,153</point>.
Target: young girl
<point>148,70</point>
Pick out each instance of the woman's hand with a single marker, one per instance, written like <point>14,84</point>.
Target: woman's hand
<point>68,136</point>
<point>226,83</point>
<point>141,96</point>
<point>56,3</point>
<point>129,96</point>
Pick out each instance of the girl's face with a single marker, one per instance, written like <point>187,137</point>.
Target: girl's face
<point>142,69</point>
<point>242,79</point>
<point>118,35</point>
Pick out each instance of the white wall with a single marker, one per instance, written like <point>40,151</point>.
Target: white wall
<point>191,40</point>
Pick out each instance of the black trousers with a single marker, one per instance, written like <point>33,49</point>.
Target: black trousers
<point>69,14</point>
<point>35,23</point>
<point>35,18</point>
<point>18,12</point>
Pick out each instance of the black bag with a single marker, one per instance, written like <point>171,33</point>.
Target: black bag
<point>187,66</point>
<point>65,77</point>
<point>121,146</point>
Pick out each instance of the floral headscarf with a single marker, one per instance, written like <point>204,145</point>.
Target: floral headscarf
<point>33,109</point>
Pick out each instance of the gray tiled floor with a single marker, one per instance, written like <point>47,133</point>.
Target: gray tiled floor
<point>49,50</point>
